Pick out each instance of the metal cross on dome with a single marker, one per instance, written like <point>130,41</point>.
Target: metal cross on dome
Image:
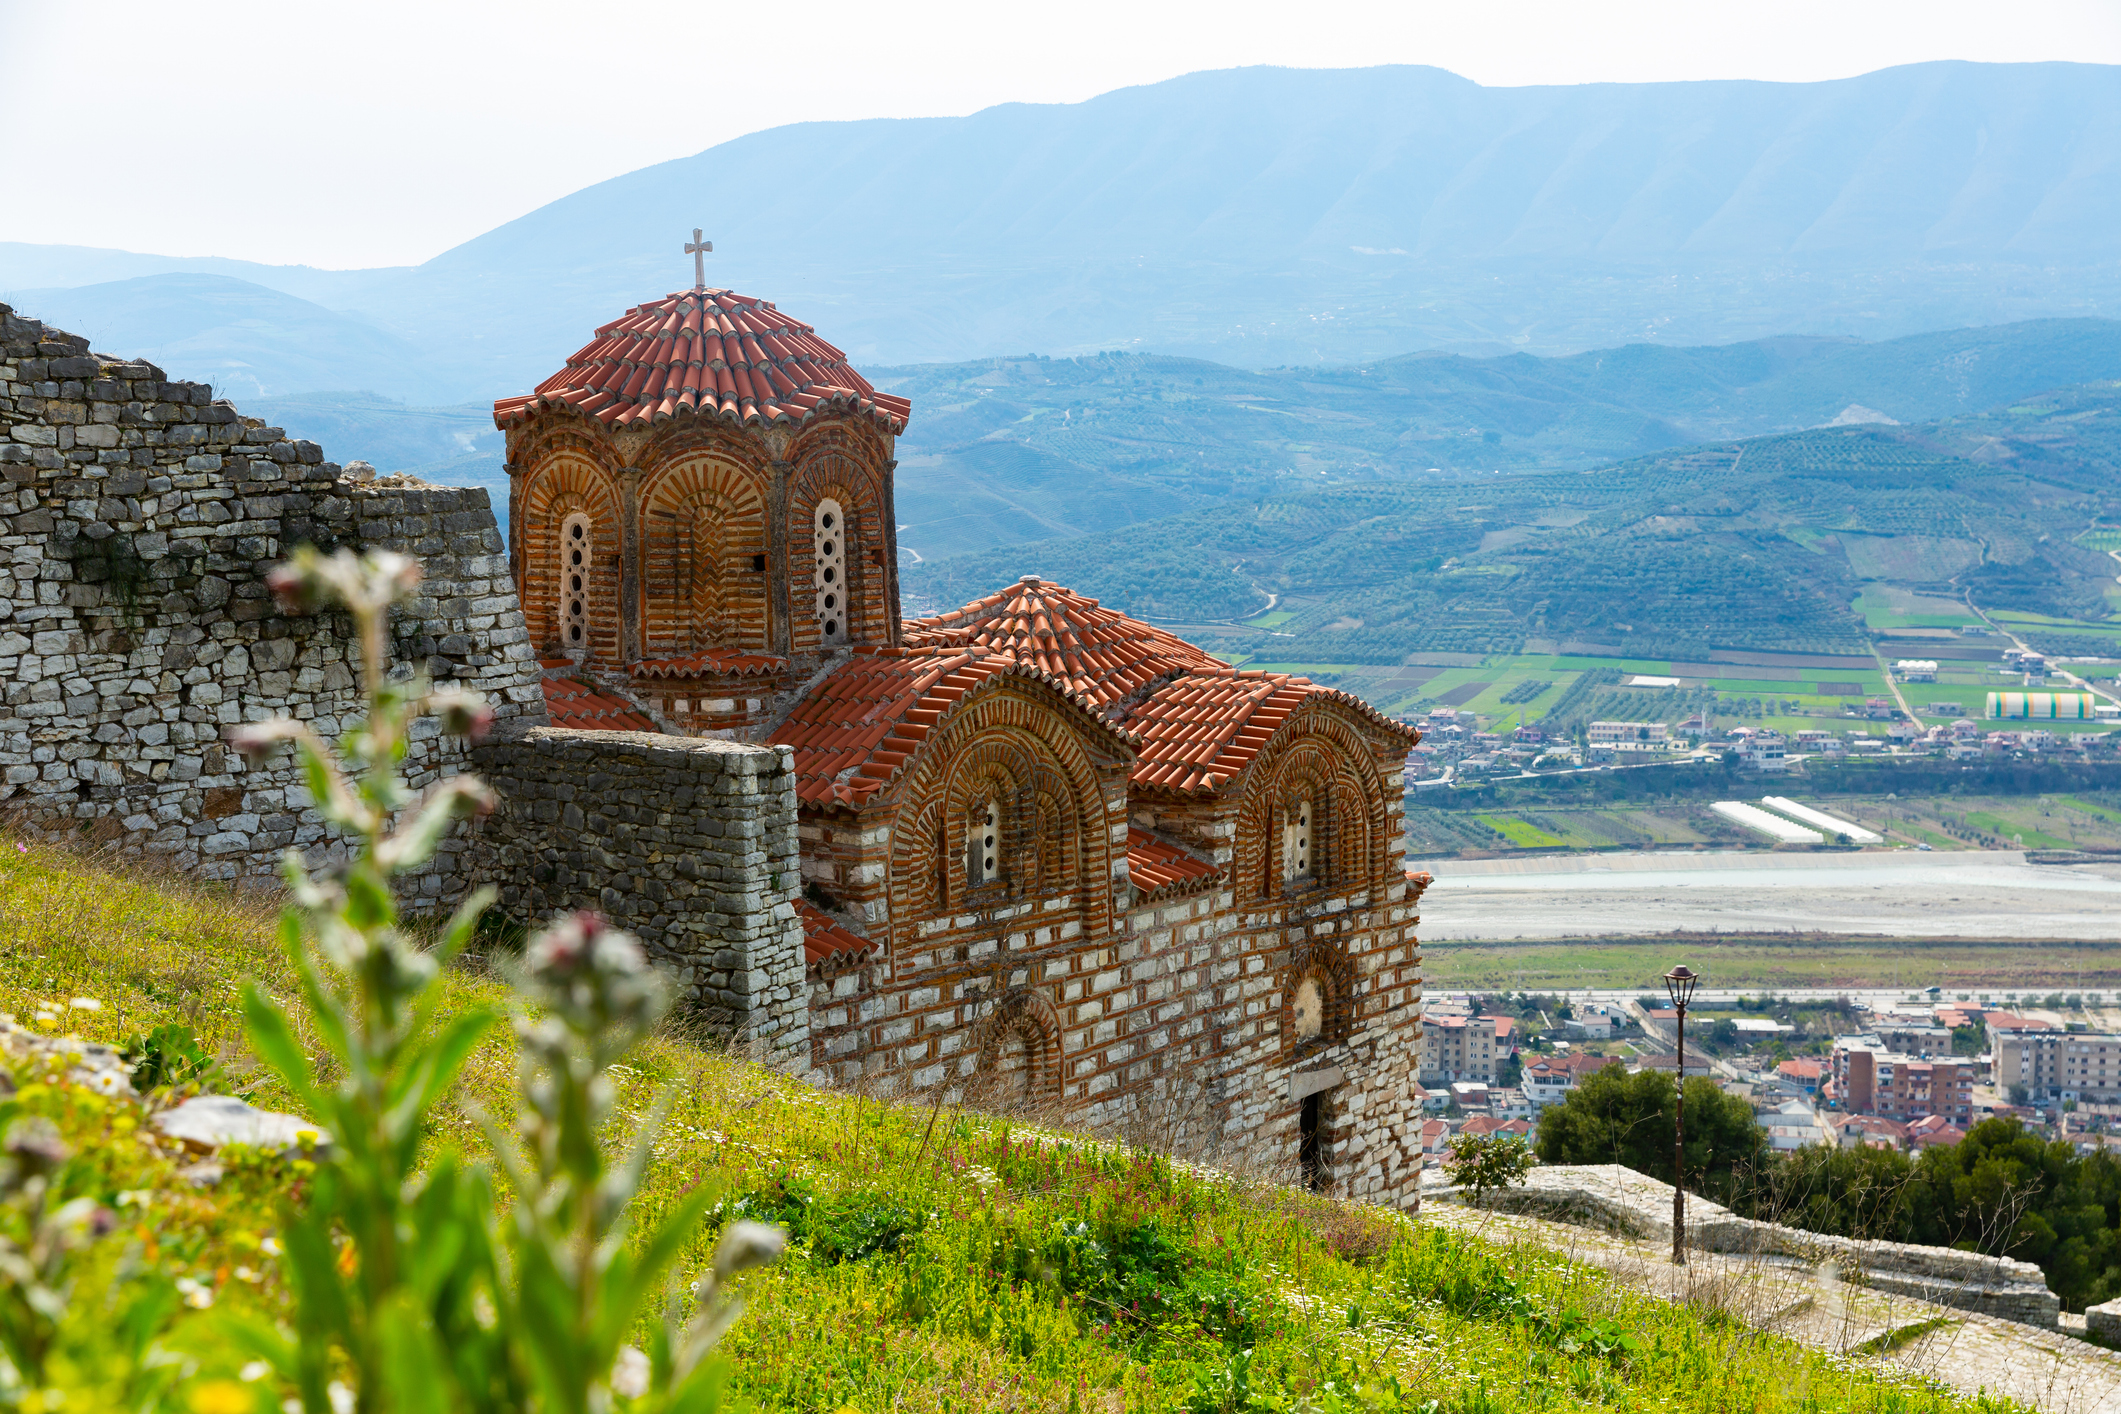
<point>698,250</point>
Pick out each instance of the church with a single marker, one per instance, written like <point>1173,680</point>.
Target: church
<point>1052,857</point>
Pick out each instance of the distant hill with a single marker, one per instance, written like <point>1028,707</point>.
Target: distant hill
<point>245,339</point>
<point>1018,449</point>
<point>1280,216</point>
<point>1755,544</point>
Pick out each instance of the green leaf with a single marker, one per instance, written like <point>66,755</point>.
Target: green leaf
<point>416,1375</point>
<point>464,922</point>
<point>417,1089</point>
<point>274,1041</point>
<point>628,1284</point>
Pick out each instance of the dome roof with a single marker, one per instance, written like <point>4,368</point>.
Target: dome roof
<point>714,353</point>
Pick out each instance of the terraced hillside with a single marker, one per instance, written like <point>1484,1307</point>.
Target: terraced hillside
<point>1761,544</point>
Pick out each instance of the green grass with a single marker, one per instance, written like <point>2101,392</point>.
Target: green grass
<point>1521,833</point>
<point>2012,828</point>
<point>1775,960</point>
<point>944,1260</point>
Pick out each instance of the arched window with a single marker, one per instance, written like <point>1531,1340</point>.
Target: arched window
<point>829,572</point>
<point>574,582</point>
<point>1296,841</point>
<point>983,844</point>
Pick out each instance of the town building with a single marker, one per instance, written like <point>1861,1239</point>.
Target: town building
<point>2047,1064</point>
<point>1549,1079</point>
<point>1916,670</point>
<point>1459,1047</point>
<point>1628,736</point>
<point>1869,1079</point>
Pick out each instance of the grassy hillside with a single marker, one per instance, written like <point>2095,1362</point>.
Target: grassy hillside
<point>943,1260</point>
<point>1763,544</point>
<point>1005,450</point>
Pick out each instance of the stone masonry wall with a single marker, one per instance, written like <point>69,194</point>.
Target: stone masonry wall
<point>689,843</point>
<point>137,517</point>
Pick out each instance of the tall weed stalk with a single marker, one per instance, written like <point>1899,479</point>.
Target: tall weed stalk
<point>408,1294</point>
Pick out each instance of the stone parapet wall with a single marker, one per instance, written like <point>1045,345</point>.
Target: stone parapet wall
<point>1620,1200</point>
<point>687,842</point>
<point>137,518</point>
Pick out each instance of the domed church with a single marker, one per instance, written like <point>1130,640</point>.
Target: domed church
<point>1052,857</point>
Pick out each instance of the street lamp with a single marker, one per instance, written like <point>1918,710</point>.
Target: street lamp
<point>1679,984</point>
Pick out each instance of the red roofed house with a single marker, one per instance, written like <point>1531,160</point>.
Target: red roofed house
<point>1049,854</point>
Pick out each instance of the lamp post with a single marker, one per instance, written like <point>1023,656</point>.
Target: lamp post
<point>1679,984</point>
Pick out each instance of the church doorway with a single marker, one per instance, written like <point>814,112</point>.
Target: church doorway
<point>1310,1142</point>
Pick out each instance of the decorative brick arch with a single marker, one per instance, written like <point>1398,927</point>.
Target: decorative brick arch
<point>1019,1053</point>
<point>828,471</point>
<point>1325,963</point>
<point>564,482</point>
<point>1018,734</point>
<point>703,557</point>
<point>1321,751</point>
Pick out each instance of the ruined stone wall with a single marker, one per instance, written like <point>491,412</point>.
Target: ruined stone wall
<point>137,518</point>
<point>687,842</point>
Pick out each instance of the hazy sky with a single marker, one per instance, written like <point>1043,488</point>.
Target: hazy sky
<point>386,132</point>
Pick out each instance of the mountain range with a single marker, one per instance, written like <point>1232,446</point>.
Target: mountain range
<point>1251,217</point>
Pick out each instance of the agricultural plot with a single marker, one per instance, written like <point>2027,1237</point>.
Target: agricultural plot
<point>1779,960</point>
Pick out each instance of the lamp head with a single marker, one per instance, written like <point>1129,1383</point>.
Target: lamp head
<point>1679,984</point>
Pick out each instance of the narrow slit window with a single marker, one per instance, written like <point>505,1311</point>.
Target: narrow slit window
<point>983,852</point>
<point>829,571</point>
<point>574,582</point>
<point>1296,841</point>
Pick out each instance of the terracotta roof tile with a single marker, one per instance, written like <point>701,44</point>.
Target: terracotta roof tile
<point>823,938</point>
<point>1100,653</point>
<point>855,729</point>
<point>1201,722</point>
<point>1161,869</point>
<point>572,703</point>
<point>715,662</point>
<point>714,354</point>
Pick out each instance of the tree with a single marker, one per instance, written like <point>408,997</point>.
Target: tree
<point>1612,1117</point>
<point>1484,1163</point>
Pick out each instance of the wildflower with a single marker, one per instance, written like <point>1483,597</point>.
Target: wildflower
<point>342,1398</point>
<point>629,1373</point>
<point>462,713</point>
<point>220,1397</point>
<point>85,1004</point>
<point>197,1294</point>
<point>255,1371</point>
<point>746,1245</point>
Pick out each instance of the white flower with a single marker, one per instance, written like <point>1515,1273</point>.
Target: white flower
<point>198,1294</point>
<point>629,1373</point>
<point>342,1398</point>
<point>270,1246</point>
<point>255,1371</point>
<point>85,1004</point>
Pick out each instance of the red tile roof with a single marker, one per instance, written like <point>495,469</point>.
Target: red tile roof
<point>1160,869</point>
<point>715,662</point>
<point>1201,722</point>
<point>1100,653</point>
<point>570,702</point>
<point>855,730</point>
<point>710,351</point>
<point>823,938</point>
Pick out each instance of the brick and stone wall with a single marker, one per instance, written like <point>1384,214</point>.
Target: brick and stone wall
<point>137,518</point>
<point>687,842</point>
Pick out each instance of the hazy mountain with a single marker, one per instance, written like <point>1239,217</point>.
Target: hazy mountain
<point>1262,216</point>
<point>246,340</point>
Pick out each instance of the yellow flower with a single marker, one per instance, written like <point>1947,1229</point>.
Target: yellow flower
<point>221,1397</point>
